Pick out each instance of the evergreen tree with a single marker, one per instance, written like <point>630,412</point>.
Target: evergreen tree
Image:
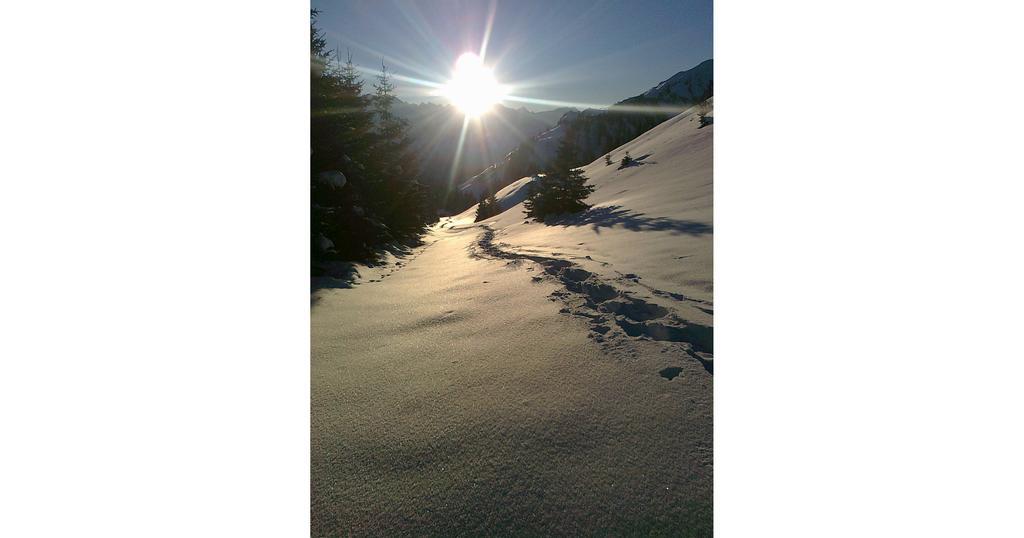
<point>566,156</point>
<point>390,127</point>
<point>626,160</point>
<point>704,113</point>
<point>488,207</point>
<point>481,208</point>
<point>608,160</point>
<point>362,186</point>
<point>349,76</point>
<point>405,202</point>
<point>520,162</point>
<point>562,188</point>
<point>339,123</point>
<point>355,112</point>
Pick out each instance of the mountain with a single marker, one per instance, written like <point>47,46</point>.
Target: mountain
<point>552,116</point>
<point>434,133</point>
<point>685,87</point>
<point>597,131</point>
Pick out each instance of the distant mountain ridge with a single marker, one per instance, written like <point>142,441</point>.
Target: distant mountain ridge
<point>598,131</point>
<point>434,132</point>
<point>690,86</point>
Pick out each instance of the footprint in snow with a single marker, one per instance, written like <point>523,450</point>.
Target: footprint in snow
<point>609,307</point>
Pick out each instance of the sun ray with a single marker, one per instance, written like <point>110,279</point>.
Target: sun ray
<point>583,70</point>
<point>515,130</point>
<point>578,23</point>
<point>483,140</point>
<point>391,59</point>
<point>458,153</point>
<point>487,29</point>
<point>412,15</point>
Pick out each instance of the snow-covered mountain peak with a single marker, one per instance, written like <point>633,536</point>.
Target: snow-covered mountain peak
<point>689,85</point>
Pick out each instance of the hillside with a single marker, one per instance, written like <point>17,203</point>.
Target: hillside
<point>597,131</point>
<point>526,378</point>
<point>434,131</point>
<point>665,196</point>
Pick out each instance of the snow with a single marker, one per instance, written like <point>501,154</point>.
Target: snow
<point>652,219</point>
<point>504,371</point>
<point>688,85</point>
<point>514,193</point>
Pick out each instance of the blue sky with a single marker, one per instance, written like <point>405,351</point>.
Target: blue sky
<point>586,52</point>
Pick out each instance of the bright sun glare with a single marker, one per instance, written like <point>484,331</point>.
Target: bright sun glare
<point>473,88</point>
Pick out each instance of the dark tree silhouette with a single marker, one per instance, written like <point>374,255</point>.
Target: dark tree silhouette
<point>406,207</point>
<point>363,194</point>
<point>626,160</point>
<point>488,207</point>
<point>562,188</point>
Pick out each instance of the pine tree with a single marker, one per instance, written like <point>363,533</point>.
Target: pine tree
<point>562,188</point>
<point>626,160</point>
<point>349,76</point>
<point>566,156</point>
<point>704,113</point>
<point>405,199</point>
<point>339,122</point>
<point>520,161</point>
<point>488,207</point>
<point>363,187</point>
<point>608,160</point>
<point>481,208</point>
<point>391,128</point>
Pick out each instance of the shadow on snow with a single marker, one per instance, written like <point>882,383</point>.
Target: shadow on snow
<point>636,162</point>
<point>610,216</point>
<point>345,274</point>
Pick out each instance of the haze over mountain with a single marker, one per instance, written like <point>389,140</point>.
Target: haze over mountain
<point>434,131</point>
<point>597,131</point>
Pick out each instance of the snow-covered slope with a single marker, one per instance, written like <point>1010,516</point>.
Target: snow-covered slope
<point>652,219</point>
<point>513,194</point>
<point>541,151</point>
<point>570,362</point>
<point>596,131</point>
<point>685,86</point>
<point>434,132</point>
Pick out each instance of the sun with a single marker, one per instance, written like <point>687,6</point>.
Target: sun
<point>473,88</point>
